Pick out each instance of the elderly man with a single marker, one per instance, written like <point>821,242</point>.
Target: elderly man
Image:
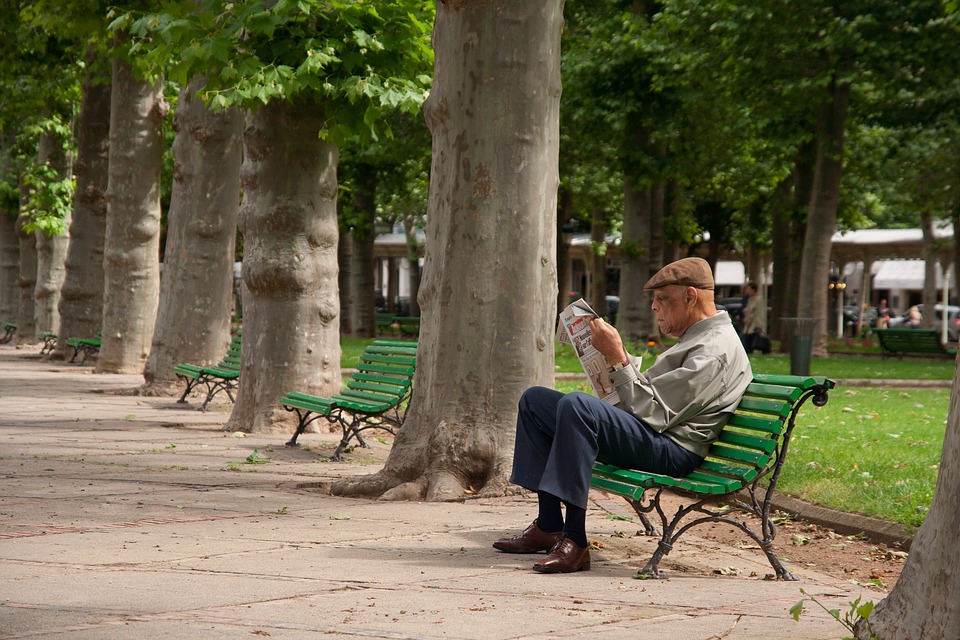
<point>666,420</point>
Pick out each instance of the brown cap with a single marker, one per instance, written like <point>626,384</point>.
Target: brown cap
<point>688,272</point>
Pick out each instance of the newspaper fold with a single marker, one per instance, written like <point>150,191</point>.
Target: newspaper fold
<point>573,328</point>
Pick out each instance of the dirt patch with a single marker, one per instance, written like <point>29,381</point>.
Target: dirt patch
<point>803,545</point>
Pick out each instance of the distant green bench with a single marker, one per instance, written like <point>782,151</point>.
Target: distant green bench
<point>383,322</point>
<point>752,447</point>
<point>372,398</point>
<point>9,328</point>
<point>897,342</point>
<point>49,341</point>
<point>86,346</point>
<point>223,376</point>
<point>409,325</point>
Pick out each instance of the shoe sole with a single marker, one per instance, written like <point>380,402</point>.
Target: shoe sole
<point>541,569</point>
<point>520,550</point>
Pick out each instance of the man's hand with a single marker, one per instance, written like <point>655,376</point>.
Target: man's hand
<point>606,339</point>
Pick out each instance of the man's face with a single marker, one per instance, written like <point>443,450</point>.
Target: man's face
<point>673,312</point>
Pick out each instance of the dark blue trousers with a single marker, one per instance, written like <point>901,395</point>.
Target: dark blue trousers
<point>560,436</point>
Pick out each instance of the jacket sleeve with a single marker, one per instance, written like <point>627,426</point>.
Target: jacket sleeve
<point>673,396</point>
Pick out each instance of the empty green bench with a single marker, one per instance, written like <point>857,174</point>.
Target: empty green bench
<point>408,325</point>
<point>224,376</point>
<point>85,346</point>
<point>373,397</point>
<point>49,341</point>
<point>747,457</point>
<point>9,328</point>
<point>897,342</point>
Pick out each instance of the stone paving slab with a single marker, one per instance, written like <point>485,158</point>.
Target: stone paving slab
<point>131,517</point>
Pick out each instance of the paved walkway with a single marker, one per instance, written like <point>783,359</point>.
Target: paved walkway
<point>129,517</point>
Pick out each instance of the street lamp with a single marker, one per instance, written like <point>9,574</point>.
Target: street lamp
<point>838,285</point>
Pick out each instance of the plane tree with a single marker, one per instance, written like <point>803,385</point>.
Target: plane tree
<point>310,74</point>
<point>488,295</point>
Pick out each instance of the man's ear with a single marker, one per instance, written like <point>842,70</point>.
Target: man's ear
<point>690,296</point>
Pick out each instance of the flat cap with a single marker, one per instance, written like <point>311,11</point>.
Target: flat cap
<point>688,272</point>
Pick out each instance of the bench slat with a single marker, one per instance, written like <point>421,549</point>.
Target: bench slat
<point>757,443</point>
<point>768,425</point>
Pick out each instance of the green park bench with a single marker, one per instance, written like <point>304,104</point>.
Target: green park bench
<point>85,346</point>
<point>752,448</point>
<point>383,322</point>
<point>898,342</point>
<point>223,376</point>
<point>9,328</point>
<point>373,398</point>
<point>408,325</point>
<point>49,341</point>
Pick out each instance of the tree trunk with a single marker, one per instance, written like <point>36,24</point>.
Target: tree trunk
<point>930,258</point>
<point>196,288</point>
<point>9,267</point>
<point>923,604</point>
<point>822,218</point>
<point>781,231</point>
<point>81,296</point>
<point>51,250</point>
<point>598,262</point>
<point>131,264</point>
<point>414,276</point>
<point>563,248</point>
<point>26,313</point>
<point>363,302</point>
<point>291,308</point>
<point>9,244</point>
<point>344,282</point>
<point>635,318</point>
<point>489,278</point>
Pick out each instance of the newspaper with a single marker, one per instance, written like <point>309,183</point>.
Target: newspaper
<point>574,328</point>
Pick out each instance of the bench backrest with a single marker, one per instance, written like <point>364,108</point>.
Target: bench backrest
<point>925,340</point>
<point>232,359</point>
<point>751,445</point>
<point>384,372</point>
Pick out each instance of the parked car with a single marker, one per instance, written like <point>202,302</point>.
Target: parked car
<point>953,320</point>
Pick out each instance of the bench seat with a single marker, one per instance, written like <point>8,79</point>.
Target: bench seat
<point>49,341</point>
<point>223,376</point>
<point>85,346</point>
<point>898,342</point>
<point>9,329</point>
<point>747,457</point>
<point>373,397</point>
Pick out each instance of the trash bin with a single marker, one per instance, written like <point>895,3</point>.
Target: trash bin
<point>800,333</point>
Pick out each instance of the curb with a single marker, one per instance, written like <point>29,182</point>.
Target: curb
<point>848,524</point>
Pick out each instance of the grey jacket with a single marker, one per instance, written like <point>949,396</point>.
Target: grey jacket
<point>693,387</point>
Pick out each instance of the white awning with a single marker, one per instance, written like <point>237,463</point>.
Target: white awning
<point>729,273</point>
<point>902,274</point>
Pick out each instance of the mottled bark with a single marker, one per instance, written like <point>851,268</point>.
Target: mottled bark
<point>923,604</point>
<point>488,295</point>
<point>132,239</point>
<point>291,309</point>
<point>51,250</point>
<point>81,296</point>
<point>196,289</point>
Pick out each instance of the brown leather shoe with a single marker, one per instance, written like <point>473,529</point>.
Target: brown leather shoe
<point>532,540</point>
<point>565,557</point>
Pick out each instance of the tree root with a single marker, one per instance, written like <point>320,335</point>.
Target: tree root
<point>155,389</point>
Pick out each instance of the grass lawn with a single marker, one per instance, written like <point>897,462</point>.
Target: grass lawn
<point>869,450</point>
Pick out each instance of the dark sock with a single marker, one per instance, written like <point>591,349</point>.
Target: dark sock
<point>550,518</point>
<point>575,525</point>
